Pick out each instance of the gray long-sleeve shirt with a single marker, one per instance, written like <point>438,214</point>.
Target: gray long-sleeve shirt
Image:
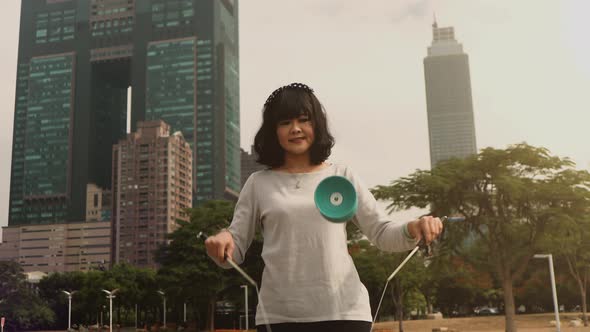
<point>309,275</point>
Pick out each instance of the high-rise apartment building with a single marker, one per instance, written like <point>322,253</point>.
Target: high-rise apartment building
<point>449,105</point>
<point>88,67</point>
<point>152,181</point>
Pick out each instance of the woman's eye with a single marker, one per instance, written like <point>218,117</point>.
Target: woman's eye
<point>304,119</point>
<point>284,123</point>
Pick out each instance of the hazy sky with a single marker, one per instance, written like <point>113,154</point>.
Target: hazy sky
<point>529,60</point>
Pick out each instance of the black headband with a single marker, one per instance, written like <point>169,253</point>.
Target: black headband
<point>285,87</point>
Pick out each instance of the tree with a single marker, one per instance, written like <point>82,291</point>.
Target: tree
<point>50,289</point>
<point>22,308</point>
<point>375,266</point>
<point>573,245</point>
<point>125,277</point>
<point>454,285</point>
<point>147,296</point>
<point>136,286</point>
<point>510,199</point>
<point>184,260</point>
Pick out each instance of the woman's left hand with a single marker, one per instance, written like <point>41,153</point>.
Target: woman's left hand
<point>428,227</point>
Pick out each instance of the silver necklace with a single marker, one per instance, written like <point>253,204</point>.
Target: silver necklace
<point>297,176</point>
<point>297,180</point>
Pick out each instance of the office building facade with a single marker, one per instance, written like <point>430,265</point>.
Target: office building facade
<point>86,68</point>
<point>451,126</point>
<point>63,247</point>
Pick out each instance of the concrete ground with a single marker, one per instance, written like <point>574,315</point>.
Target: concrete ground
<point>524,323</point>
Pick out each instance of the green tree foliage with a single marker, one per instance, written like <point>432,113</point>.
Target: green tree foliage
<point>136,286</point>
<point>50,289</point>
<point>511,199</point>
<point>572,244</point>
<point>534,292</point>
<point>189,274</point>
<point>23,309</point>
<point>375,266</point>
<point>455,286</point>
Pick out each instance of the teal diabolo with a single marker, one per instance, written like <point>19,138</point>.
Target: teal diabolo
<point>336,199</point>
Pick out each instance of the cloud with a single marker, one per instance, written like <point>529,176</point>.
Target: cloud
<point>370,12</point>
<point>412,10</point>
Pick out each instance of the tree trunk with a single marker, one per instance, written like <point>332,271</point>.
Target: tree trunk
<point>428,304</point>
<point>584,308</point>
<point>581,280</point>
<point>400,310</point>
<point>197,317</point>
<point>509,309</point>
<point>211,318</point>
<point>397,295</point>
<point>154,315</point>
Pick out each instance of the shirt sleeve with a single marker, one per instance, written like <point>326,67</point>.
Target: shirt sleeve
<point>375,224</point>
<point>245,219</point>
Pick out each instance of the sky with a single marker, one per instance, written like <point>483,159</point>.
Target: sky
<point>529,63</point>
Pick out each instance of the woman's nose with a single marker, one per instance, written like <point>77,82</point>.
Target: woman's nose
<point>295,127</point>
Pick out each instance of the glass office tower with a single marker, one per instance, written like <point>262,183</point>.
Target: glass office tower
<point>78,63</point>
<point>451,125</point>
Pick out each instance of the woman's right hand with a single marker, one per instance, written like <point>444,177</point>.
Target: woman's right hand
<point>219,245</point>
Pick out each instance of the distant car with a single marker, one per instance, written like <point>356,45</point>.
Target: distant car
<point>487,312</point>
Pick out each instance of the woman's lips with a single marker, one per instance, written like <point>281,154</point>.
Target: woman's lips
<point>297,140</point>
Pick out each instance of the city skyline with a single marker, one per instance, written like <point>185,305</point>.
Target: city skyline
<point>88,69</point>
<point>529,70</point>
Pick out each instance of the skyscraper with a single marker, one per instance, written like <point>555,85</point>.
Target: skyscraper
<point>152,181</point>
<point>79,60</point>
<point>449,105</point>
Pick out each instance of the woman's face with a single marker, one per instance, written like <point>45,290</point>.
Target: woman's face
<point>296,135</point>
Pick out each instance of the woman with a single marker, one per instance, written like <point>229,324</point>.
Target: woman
<point>309,282</point>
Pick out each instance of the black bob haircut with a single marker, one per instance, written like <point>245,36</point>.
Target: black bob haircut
<point>290,102</point>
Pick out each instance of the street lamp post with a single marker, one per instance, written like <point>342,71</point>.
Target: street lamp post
<point>69,294</point>
<point>110,296</point>
<point>552,275</point>
<point>245,287</point>
<point>164,297</point>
